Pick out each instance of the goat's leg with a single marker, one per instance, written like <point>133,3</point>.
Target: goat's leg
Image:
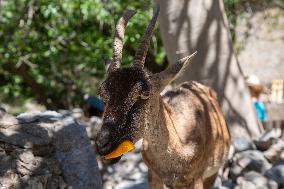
<point>209,182</point>
<point>154,181</point>
<point>198,183</point>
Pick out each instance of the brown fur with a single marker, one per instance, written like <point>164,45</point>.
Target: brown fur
<point>191,137</point>
<point>185,136</point>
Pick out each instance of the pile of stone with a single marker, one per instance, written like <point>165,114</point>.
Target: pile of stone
<point>129,173</point>
<point>252,164</point>
<point>255,164</point>
<point>45,150</point>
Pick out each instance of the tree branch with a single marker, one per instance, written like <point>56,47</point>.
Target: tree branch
<point>40,93</point>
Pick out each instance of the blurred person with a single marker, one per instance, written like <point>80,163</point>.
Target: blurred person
<point>93,106</point>
<point>256,88</point>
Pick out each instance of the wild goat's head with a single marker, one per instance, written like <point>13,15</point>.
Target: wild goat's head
<point>127,92</point>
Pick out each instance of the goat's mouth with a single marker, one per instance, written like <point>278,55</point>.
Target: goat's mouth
<point>112,161</point>
<point>111,147</point>
<point>103,151</point>
<point>112,152</point>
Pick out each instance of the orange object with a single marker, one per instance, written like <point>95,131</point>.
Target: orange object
<point>123,148</point>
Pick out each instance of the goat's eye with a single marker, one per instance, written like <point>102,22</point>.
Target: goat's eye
<point>145,92</point>
<point>142,87</point>
<point>145,95</point>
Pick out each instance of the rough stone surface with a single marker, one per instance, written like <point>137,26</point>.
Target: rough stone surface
<point>274,153</point>
<point>259,36</point>
<point>243,144</point>
<point>256,178</point>
<point>248,168</point>
<point>252,160</point>
<point>129,173</point>
<point>263,145</point>
<point>276,173</point>
<point>254,168</point>
<point>46,150</point>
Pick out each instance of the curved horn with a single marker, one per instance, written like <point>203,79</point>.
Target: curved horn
<point>118,39</point>
<point>141,53</point>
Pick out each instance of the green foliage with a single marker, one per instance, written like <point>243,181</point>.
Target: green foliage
<point>61,45</point>
<point>231,12</point>
<point>235,8</point>
<point>53,50</point>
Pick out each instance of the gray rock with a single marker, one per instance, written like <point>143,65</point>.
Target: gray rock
<point>271,134</point>
<point>243,144</point>
<point>268,139</point>
<point>263,145</point>
<point>228,184</point>
<point>129,173</point>
<point>221,187</point>
<point>272,184</point>
<point>218,182</point>
<point>273,154</point>
<point>136,176</point>
<point>244,184</point>
<point>95,125</point>
<point>252,160</point>
<point>277,173</point>
<point>46,150</point>
<point>280,162</point>
<point>142,167</point>
<point>131,185</point>
<point>257,179</point>
<point>235,171</point>
<point>260,35</point>
<point>128,166</point>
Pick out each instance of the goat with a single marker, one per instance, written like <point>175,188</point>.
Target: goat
<point>185,136</point>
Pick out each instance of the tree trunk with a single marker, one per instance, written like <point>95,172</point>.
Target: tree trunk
<point>46,150</point>
<point>190,25</point>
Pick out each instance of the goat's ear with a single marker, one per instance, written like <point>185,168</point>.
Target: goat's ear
<point>160,80</point>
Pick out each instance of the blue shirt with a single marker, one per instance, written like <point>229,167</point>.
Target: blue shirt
<point>260,111</point>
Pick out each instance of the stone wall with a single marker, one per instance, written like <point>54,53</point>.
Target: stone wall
<point>260,43</point>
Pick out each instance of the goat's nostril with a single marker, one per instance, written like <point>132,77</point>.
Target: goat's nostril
<point>105,134</point>
<point>103,139</point>
<point>101,143</point>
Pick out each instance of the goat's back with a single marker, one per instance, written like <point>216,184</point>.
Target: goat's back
<point>199,120</point>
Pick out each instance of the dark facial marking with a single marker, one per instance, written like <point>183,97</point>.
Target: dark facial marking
<point>121,107</point>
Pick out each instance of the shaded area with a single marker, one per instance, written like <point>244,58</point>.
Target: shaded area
<point>46,150</point>
<point>139,186</point>
<point>50,49</point>
<point>201,25</point>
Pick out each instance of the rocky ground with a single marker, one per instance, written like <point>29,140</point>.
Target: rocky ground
<point>259,42</point>
<point>252,164</point>
<point>43,150</point>
<point>257,164</point>
<point>129,173</point>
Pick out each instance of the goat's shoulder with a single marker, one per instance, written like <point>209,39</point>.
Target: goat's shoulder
<point>190,93</point>
<point>188,105</point>
<point>199,88</point>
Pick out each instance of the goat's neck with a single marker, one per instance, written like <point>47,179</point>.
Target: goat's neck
<point>160,133</point>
